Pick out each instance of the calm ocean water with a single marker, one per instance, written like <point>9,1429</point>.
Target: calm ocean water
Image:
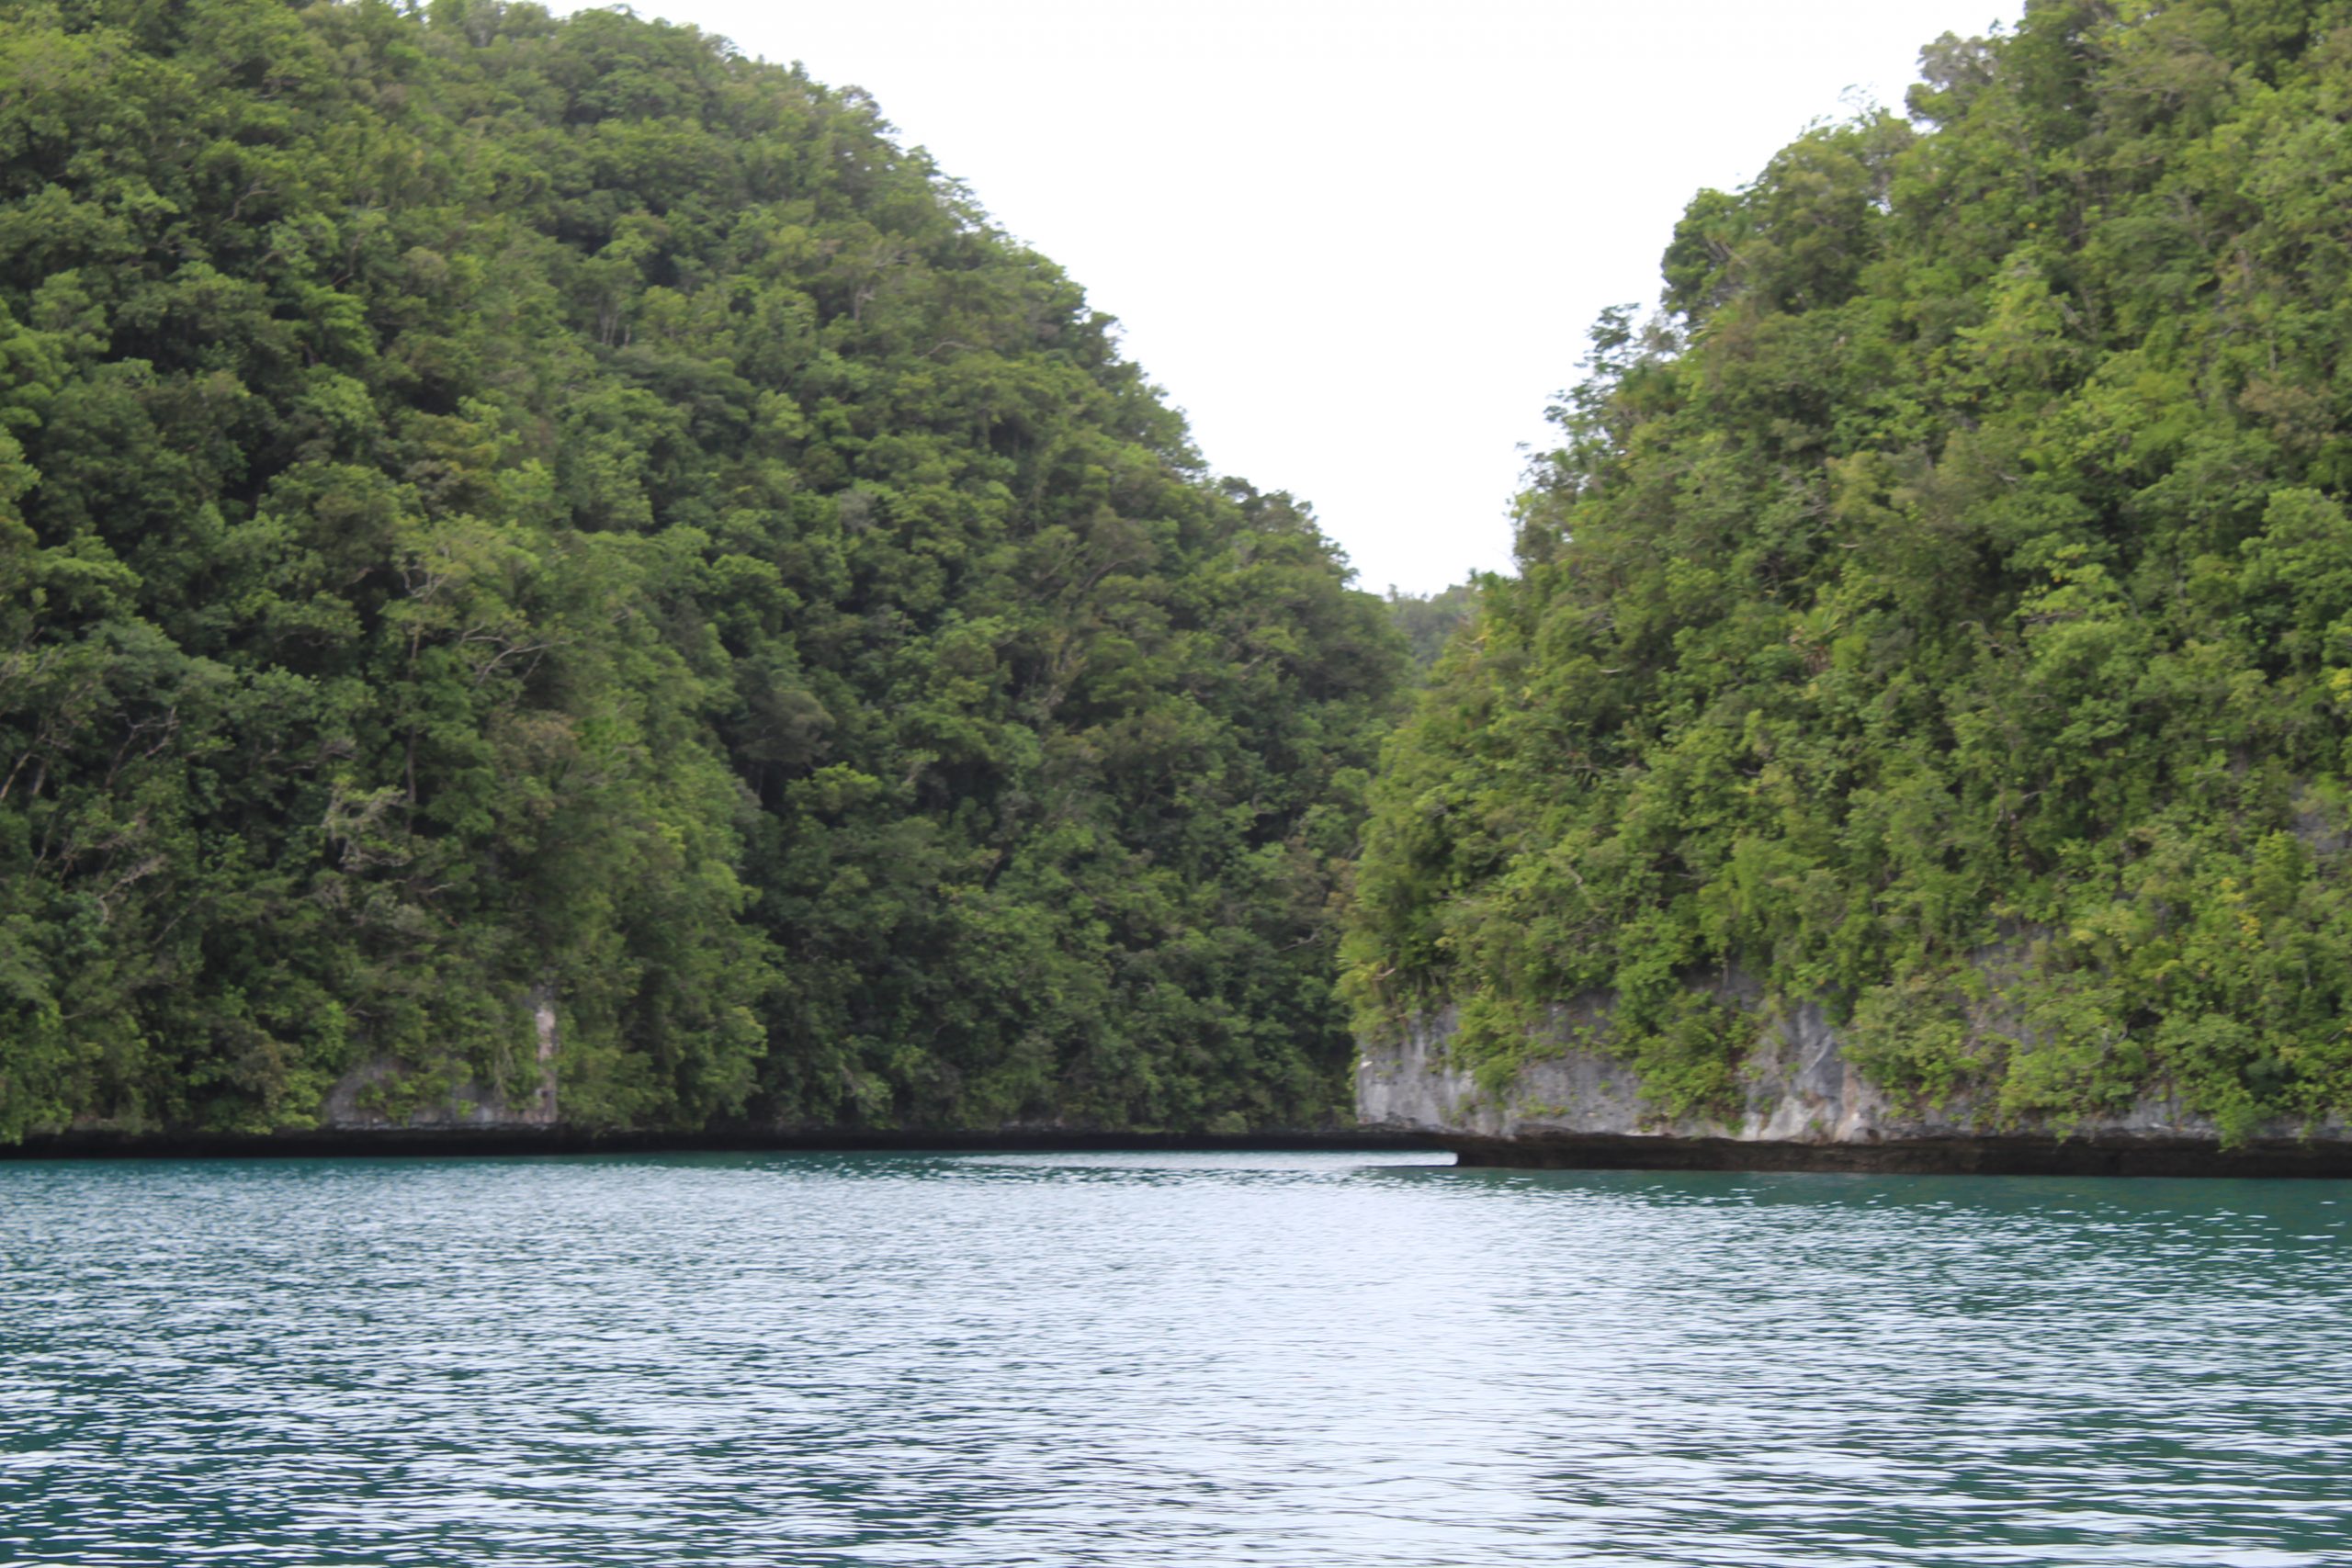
<point>1322,1360</point>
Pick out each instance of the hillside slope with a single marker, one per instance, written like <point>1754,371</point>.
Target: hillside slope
<point>526,539</point>
<point>1940,612</point>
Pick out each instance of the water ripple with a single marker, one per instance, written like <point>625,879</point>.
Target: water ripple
<point>1129,1360</point>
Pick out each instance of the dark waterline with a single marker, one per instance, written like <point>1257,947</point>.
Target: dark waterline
<point>1248,1358</point>
<point>2325,1158</point>
<point>447,1142</point>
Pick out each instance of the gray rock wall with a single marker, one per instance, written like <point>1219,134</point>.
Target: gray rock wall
<point>1800,1098</point>
<point>466,1106</point>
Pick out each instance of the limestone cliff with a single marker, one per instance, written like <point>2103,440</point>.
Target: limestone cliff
<point>1802,1106</point>
<point>379,1095</point>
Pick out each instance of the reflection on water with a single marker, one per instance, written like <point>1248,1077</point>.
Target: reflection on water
<point>1163,1359</point>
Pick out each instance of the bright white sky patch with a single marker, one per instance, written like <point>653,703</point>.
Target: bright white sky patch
<point>1359,242</point>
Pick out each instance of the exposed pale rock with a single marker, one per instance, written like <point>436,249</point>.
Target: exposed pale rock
<point>468,1105</point>
<point>1800,1092</point>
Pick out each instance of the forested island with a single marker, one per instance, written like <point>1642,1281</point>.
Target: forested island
<point>553,575</point>
<point>550,570</point>
<point>1932,640</point>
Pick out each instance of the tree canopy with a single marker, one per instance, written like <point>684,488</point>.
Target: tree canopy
<point>1941,608</point>
<point>496,510</point>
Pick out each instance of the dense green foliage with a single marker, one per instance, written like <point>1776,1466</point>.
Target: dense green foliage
<point>494,508</point>
<point>1943,609</point>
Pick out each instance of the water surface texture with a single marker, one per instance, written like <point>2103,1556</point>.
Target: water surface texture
<point>1306,1359</point>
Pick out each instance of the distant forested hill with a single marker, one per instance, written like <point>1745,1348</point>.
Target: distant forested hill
<point>499,514</point>
<point>1428,620</point>
<point>1942,609</point>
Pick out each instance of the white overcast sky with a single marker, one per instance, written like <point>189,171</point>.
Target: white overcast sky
<point>1358,242</point>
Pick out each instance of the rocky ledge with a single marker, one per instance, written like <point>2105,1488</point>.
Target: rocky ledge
<point>1805,1109</point>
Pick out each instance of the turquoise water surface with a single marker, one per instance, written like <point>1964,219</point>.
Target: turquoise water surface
<point>1324,1360</point>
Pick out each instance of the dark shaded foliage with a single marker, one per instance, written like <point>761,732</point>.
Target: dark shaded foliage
<point>492,507</point>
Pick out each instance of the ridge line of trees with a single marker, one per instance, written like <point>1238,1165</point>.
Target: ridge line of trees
<point>496,508</point>
<point>1940,610</point>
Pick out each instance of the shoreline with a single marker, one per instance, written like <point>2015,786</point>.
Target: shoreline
<point>427,1142</point>
<point>1991,1156</point>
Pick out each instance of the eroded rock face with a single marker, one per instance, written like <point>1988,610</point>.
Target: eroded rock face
<point>1801,1094</point>
<point>358,1103</point>
<point>350,1106</point>
<point>546,1042</point>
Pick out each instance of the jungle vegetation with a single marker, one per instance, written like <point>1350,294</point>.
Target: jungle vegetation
<point>1939,609</point>
<point>496,510</point>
